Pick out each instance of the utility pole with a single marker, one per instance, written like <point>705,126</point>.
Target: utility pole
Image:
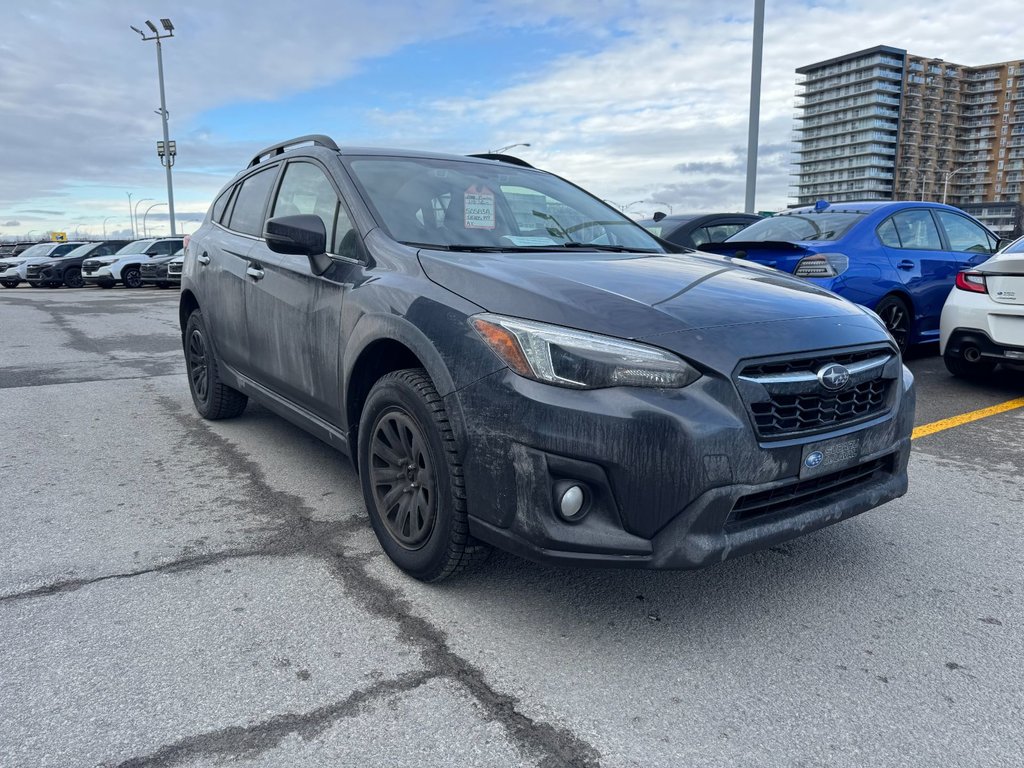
<point>165,149</point>
<point>755,105</point>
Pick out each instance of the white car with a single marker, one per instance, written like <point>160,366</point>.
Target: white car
<point>982,321</point>
<point>124,266</point>
<point>14,269</point>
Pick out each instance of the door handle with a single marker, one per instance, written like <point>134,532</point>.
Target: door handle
<point>254,272</point>
<point>906,264</point>
<point>203,259</point>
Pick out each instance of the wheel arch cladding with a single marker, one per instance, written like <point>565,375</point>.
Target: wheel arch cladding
<point>186,306</point>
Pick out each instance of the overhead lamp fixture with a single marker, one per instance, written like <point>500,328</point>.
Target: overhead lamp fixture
<point>152,26</point>
<point>167,25</point>
<point>139,31</point>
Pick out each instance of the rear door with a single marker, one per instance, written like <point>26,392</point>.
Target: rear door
<point>295,315</point>
<point>914,247</point>
<point>222,259</point>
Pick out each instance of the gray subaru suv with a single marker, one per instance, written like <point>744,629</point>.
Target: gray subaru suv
<point>510,362</point>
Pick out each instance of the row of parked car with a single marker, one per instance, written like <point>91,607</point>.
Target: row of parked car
<point>156,261</point>
<point>928,270</point>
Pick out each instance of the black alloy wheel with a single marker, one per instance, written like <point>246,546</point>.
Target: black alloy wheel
<point>131,277</point>
<point>404,485</point>
<point>212,398</point>
<point>411,475</point>
<point>9,283</point>
<point>73,278</point>
<point>896,316</point>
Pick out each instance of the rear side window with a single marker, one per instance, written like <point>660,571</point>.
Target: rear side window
<point>251,202</point>
<point>220,204</point>
<point>887,234</point>
<point>916,230</point>
<point>964,235</point>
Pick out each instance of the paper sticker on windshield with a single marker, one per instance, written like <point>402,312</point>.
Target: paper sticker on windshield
<point>479,207</point>
<point>524,240</point>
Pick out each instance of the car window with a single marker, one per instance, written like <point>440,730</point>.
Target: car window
<point>916,230</point>
<point>699,236</point>
<point>251,202</point>
<point>805,226</point>
<point>60,250</point>
<point>964,235</point>
<point>220,204</point>
<point>306,189</point>
<point>470,204</point>
<point>717,233</point>
<point>888,235</point>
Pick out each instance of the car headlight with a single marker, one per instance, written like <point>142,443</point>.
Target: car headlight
<point>822,265</point>
<point>580,360</point>
<point>103,260</point>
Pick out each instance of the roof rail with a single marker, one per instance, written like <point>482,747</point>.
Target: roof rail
<point>511,160</point>
<point>317,139</point>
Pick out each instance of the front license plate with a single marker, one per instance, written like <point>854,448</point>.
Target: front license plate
<point>829,456</point>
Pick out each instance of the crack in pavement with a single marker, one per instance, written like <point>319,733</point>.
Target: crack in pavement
<point>252,740</point>
<point>552,747</point>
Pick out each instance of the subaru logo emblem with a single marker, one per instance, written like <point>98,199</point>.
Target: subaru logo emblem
<point>814,459</point>
<point>834,377</point>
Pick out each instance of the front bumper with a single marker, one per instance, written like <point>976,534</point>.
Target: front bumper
<point>673,479</point>
<point>100,275</point>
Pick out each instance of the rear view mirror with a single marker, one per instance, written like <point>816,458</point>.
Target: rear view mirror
<point>301,235</point>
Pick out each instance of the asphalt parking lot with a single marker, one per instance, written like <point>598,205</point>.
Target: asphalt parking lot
<point>180,592</point>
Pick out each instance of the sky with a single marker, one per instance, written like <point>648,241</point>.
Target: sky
<point>642,103</point>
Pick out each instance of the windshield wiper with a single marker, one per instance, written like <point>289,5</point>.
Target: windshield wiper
<point>602,247</point>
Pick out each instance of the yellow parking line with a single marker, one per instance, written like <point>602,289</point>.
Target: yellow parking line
<point>966,418</point>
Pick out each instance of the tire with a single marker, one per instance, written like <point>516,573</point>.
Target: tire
<point>162,284</point>
<point>897,318</point>
<point>411,476</point>
<point>106,284</point>
<point>9,283</point>
<point>974,370</point>
<point>212,398</point>
<point>73,278</point>
<point>131,277</point>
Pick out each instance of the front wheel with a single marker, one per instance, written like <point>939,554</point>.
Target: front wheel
<point>9,283</point>
<point>213,398</point>
<point>896,316</point>
<point>411,477</point>
<point>131,277</point>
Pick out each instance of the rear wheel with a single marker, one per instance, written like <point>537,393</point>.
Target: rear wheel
<point>131,277</point>
<point>896,316</point>
<point>967,363</point>
<point>411,476</point>
<point>9,283</point>
<point>73,278</point>
<point>106,284</point>
<point>212,397</point>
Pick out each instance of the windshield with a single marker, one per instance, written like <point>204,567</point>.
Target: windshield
<point>136,247</point>
<point>790,227</point>
<point>81,250</point>
<point>1017,246</point>
<point>39,249</point>
<point>455,205</point>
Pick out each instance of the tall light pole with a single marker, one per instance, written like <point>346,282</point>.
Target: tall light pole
<point>755,105</point>
<point>510,146</point>
<point>131,219</point>
<point>144,215</point>
<point>135,230</point>
<point>948,176</point>
<point>165,151</point>
<point>105,225</point>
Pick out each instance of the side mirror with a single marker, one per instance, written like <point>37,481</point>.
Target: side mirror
<point>301,235</point>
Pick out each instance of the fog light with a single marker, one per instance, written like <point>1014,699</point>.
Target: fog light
<point>571,501</point>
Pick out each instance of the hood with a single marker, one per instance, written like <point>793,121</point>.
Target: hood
<point>632,295</point>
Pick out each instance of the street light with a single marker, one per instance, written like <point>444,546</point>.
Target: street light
<point>144,215</point>
<point>131,220</point>
<point>659,202</point>
<point>510,146</point>
<point>917,173</point>
<point>753,121</point>
<point>948,176</point>
<point>105,225</point>
<point>135,229</point>
<point>167,155</point>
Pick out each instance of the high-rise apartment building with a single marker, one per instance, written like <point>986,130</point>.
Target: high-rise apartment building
<point>884,124</point>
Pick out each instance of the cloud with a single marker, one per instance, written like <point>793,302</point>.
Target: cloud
<point>12,223</point>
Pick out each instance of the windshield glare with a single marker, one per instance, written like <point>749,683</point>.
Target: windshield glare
<point>789,227</point>
<point>473,205</point>
<point>136,247</point>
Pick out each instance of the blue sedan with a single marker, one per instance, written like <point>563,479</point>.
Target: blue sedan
<point>898,258</point>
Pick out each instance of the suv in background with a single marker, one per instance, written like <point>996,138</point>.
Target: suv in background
<point>510,361</point>
<point>67,269</point>
<point>157,270</point>
<point>124,266</point>
<point>14,269</point>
